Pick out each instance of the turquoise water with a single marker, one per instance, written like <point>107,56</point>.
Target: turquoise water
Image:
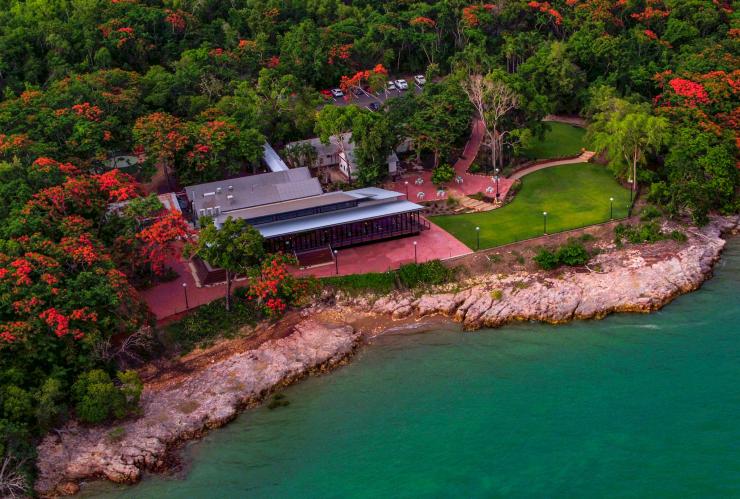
<point>632,406</point>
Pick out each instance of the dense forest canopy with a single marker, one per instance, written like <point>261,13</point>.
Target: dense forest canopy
<point>196,87</point>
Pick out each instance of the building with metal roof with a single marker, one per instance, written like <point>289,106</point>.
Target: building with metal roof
<point>294,215</point>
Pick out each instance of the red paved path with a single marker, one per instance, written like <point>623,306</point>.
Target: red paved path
<point>168,298</point>
<point>472,184</point>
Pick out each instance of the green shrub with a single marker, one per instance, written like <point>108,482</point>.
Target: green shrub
<point>497,294</point>
<point>546,259</point>
<point>572,254</point>
<point>443,174</point>
<point>98,399</point>
<point>650,212</point>
<point>372,282</point>
<point>428,273</point>
<point>679,236</point>
<point>51,404</point>
<point>643,233</point>
<point>452,202</point>
<point>211,321</point>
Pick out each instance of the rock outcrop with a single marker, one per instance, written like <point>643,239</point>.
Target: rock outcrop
<point>207,400</point>
<point>616,281</point>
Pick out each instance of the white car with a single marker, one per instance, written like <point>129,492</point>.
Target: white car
<point>391,85</point>
<point>420,80</point>
<point>402,85</point>
<point>337,92</point>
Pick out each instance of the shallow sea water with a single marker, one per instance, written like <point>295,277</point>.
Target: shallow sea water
<point>631,406</point>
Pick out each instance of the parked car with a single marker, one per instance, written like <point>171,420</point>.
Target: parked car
<point>358,92</point>
<point>337,92</point>
<point>420,80</point>
<point>402,85</point>
<point>373,106</point>
<point>391,85</point>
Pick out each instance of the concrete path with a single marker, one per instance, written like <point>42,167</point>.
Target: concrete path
<point>585,157</point>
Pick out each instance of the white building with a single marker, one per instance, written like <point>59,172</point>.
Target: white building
<point>331,155</point>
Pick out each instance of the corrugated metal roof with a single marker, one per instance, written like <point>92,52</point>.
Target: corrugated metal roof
<point>289,206</point>
<point>254,190</point>
<point>272,160</point>
<point>337,218</point>
<point>374,193</point>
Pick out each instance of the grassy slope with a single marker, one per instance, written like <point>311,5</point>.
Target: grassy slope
<point>573,196</point>
<point>560,141</point>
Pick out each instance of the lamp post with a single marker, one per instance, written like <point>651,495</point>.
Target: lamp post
<point>544,215</point>
<point>407,189</point>
<point>336,261</point>
<point>477,235</point>
<point>496,177</point>
<point>185,289</point>
<point>415,259</point>
<point>611,208</point>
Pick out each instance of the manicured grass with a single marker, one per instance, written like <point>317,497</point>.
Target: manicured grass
<point>572,195</point>
<point>560,141</point>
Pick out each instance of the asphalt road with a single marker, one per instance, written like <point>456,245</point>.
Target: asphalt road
<point>366,98</point>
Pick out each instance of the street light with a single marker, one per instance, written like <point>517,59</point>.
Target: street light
<point>496,177</point>
<point>336,261</point>
<point>185,289</point>
<point>611,208</point>
<point>544,214</point>
<point>407,189</point>
<point>477,233</point>
<point>415,259</point>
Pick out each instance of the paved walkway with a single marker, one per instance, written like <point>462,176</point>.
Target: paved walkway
<point>419,187</point>
<point>585,157</point>
<point>168,298</point>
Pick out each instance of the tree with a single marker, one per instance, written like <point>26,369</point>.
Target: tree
<point>443,174</point>
<point>235,247</point>
<point>336,121</point>
<point>628,133</point>
<point>492,99</point>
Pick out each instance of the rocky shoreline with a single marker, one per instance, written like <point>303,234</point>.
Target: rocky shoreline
<point>626,280</point>
<point>619,280</point>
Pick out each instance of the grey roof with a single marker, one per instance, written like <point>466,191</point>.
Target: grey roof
<point>337,218</point>
<point>272,160</point>
<point>288,206</point>
<point>373,193</point>
<point>254,190</point>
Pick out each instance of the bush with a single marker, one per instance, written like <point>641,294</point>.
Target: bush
<point>374,282</point>
<point>644,233</point>
<point>572,254</point>
<point>443,174</point>
<point>429,273</point>
<point>211,321</point>
<point>97,398</point>
<point>650,212</point>
<point>546,259</point>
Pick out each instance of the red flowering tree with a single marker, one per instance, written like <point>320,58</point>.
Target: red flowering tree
<point>273,288</point>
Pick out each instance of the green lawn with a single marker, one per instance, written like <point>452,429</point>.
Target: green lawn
<point>572,195</point>
<point>560,141</point>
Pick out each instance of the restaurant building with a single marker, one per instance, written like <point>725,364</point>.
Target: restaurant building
<point>294,215</point>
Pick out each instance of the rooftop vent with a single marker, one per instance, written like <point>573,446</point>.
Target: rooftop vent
<point>206,194</point>
<point>218,190</point>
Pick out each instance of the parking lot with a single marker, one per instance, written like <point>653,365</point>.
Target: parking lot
<point>366,98</point>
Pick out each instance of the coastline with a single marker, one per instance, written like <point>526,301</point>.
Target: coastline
<point>634,279</point>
